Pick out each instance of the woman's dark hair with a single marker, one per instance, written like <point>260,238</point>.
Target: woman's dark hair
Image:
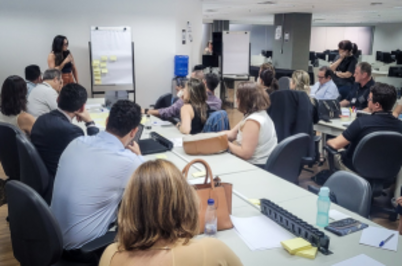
<point>198,97</point>
<point>57,48</point>
<point>13,96</point>
<point>268,77</point>
<point>348,46</point>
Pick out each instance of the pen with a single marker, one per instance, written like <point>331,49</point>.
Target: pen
<point>386,240</point>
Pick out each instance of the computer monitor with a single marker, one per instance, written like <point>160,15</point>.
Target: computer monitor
<point>210,60</point>
<point>359,53</point>
<point>378,56</point>
<point>398,58</point>
<point>266,53</point>
<point>321,56</point>
<point>312,57</point>
<point>395,72</point>
<point>332,56</point>
<point>387,58</point>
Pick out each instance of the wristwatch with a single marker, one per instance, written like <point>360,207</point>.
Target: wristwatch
<point>90,123</point>
<point>146,111</point>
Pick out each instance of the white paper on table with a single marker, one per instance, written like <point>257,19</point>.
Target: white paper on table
<point>361,259</point>
<point>337,215</point>
<point>162,123</point>
<point>372,236</point>
<point>260,232</point>
<point>177,142</point>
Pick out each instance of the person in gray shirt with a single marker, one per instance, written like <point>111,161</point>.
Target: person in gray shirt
<point>325,88</point>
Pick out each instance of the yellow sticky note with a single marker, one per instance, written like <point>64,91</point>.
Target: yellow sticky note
<point>104,70</point>
<point>104,58</point>
<point>113,58</point>
<point>199,174</point>
<point>103,65</point>
<point>143,120</point>
<point>161,156</point>
<point>98,78</point>
<point>97,71</point>
<point>307,253</point>
<point>95,62</point>
<point>98,82</point>
<point>295,245</point>
<point>99,116</point>
<point>255,201</point>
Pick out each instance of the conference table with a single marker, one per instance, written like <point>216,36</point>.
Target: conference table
<point>250,182</point>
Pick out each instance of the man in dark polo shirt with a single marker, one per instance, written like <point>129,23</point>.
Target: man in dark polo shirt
<point>361,88</point>
<point>381,99</point>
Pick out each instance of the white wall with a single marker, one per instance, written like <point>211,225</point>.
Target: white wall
<point>28,28</point>
<point>387,37</point>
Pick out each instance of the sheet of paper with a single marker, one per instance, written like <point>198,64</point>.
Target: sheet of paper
<point>372,236</point>
<point>93,106</point>
<point>104,58</point>
<point>113,58</point>
<point>255,201</point>
<point>161,156</point>
<point>177,142</point>
<point>361,259</point>
<point>103,65</point>
<point>162,123</point>
<point>337,215</point>
<point>260,232</point>
<point>104,71</point>
<point>199,174</point>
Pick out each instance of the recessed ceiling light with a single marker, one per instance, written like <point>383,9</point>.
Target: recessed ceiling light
<point>376,3</point>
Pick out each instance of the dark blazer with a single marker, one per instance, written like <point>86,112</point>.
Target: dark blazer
<point>51,134</point>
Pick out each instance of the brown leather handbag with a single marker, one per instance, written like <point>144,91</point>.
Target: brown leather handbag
<point>220,192</point>
<point>205,143</point>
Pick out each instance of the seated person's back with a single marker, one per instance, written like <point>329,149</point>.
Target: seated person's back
<point>381,100</point>
<point>152,233</point>
<point>43,98</point>
<point>52,132</point>
<point>194,112</point>
<point>92,175</point>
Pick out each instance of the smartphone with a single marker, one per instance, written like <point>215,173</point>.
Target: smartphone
<point>137,135</point>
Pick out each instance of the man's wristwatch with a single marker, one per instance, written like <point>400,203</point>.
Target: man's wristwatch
<point>90,123</point>
<point>146,111</point>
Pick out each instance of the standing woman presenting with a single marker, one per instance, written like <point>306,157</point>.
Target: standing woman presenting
<point>344,67</point>
<point>61,59</point>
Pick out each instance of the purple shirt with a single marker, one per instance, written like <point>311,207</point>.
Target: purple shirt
<point>174,110</point>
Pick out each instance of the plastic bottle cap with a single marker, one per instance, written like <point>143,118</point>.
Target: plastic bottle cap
<point>211,202</point>
<point>324,191</point>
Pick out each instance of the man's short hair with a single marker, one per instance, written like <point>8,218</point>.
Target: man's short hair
<point>198,74</point>
<point>384,94</point>
<point>72,97</point>
<point>365,68</point>
<point>32,72</point>
<point>198,67</point>
<point>124,116</point>
<point>212,81</point>
<point>327,71</point>
<point>51,74</point>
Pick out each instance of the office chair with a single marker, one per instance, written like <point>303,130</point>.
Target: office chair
<point>8,150</point>
<point>376,160</point>
<point>164,101</point>
<point>35,234</point>
<point>33,171</point>
<point>350,191</point>
<point>286,158</point>
<point>284,83</point>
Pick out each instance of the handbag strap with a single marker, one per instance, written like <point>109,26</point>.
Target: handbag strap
<point>208,171</point>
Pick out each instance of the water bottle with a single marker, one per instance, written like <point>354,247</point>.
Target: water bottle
<point>323,204</point>
<point>148,124</point>
<point>211,221</point>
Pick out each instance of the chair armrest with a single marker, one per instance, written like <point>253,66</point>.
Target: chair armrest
<point>313,189</point>
<point>317,138</point>
<point>99,243</point>
<point>330,150</point>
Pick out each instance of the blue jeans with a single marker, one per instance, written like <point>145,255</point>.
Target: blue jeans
<point>344,91</point>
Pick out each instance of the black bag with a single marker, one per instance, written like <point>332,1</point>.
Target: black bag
<point>328,109</point>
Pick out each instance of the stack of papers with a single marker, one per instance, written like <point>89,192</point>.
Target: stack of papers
<point>300,247</point>
<point>260,232</point>
<point>177,142</point>
<point>372,236</point>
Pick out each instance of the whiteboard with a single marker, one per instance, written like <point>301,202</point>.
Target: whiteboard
<point>111,55</point>
<point>236,52</point>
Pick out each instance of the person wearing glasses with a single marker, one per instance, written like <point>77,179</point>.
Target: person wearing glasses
<point>43,98</point>
<point>325,88</point>
<point>61,58</point>
<point>361,88</point>
<point>381,100</point>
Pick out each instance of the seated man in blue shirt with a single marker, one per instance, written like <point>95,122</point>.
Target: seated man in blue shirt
<point>325,88</point>
<point>381,100</point>
<point>92,175</point>
<point>33,76</point>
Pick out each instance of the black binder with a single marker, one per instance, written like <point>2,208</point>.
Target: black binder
<point>155,144</point>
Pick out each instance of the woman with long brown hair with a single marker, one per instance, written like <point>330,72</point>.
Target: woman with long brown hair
<point>157,220</point>
<point>195,110</point>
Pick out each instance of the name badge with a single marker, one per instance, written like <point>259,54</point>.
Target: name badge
<point>353,100</point>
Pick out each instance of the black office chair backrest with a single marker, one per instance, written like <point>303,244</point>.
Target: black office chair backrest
<point>378,155</point>
<point>352,192</point>
<point>285,160</point>
<point>284,83</point>
<point>8,150</point>
<point>164,101</point>
<point>33,171</point>
<point>35,234</point>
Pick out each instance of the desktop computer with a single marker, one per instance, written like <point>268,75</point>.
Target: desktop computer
<point>395,72</point>
<point>398,58</point>
<point>210,61</point>
<point>312,57</point>
<point>378,56</point>
<point>321,56</point>
<point>332,56</point>
<point>266,53</point>
<point>387,58</point>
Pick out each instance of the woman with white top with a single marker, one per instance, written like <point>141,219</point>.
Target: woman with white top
<point>13,102</point>
<point>255,134</point>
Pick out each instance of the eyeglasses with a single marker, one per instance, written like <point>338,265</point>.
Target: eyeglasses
<point>369,99</point>
<point>320,77</point>
<point>65,44</point>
